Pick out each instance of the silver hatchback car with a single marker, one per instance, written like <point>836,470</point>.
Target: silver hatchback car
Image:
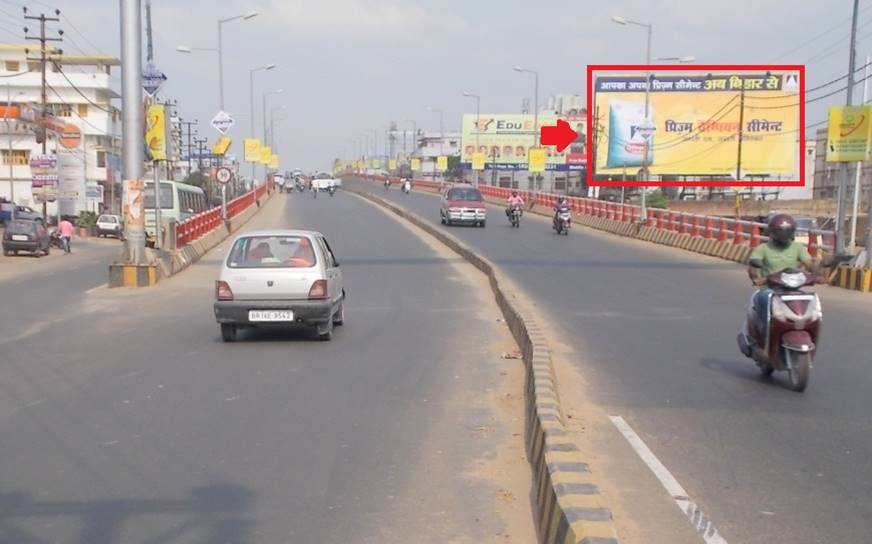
<point>280,278</point>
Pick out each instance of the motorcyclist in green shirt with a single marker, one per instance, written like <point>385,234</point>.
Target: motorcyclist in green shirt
<point>779,253</point>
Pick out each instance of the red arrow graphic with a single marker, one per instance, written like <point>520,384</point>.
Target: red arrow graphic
<point>560,135</point>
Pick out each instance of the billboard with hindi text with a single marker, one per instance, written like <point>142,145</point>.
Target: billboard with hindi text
<point>711,125</point>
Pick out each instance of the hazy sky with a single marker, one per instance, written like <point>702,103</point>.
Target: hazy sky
<point>349,66</point>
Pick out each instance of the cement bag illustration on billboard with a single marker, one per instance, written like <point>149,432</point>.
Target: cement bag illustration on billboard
<point>626,144</point>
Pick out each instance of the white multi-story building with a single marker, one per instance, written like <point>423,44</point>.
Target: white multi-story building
<point>79,97</point>
<point>433,144</point>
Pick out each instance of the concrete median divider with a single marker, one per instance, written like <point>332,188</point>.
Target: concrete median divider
<point>568,506</point>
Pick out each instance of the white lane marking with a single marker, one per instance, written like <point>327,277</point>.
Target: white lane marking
<point>700,521</point>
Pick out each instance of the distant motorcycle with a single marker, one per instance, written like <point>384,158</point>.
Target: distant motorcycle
<point>387,184</point>
<point>515,213</point>
<point>562,221</point>
<point>407,187</point>
<point>332,190</point>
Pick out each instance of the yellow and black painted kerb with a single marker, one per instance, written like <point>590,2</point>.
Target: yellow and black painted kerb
<point>132,275</point>
<point>856,279</point>
<point>569,509</point>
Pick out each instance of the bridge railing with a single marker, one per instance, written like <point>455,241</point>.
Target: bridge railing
<point>204,222</point>
<point>719,228</point>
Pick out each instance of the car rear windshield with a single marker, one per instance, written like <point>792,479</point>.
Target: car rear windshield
<point>109,218</point>
<point>464,194</point>
<point>806,224</point>
<point>272,252</point>
<point>21,227</point>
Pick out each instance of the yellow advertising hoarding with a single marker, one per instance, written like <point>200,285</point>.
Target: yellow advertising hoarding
<point>848,133</point>
<point>694,123</point>
<point>442,163</point>
<point>415,165</point>
<point>156,133</point>
<point>265,155</point>
<point>478,160</point>
<point>537,158</point>
<point>505,138</point>
<point>392,164</point>
<point>252,150</point>
<point>221,145</point>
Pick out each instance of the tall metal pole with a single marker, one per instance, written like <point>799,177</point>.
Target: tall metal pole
<point>264,118</point>
<point>643,199</point>
<point>132,129</point>
<point>221,70</point>
<point>251,112</point>
<point>739,157</point>
<point>857,192</point>
<point>477,129</point>
<point>9,133</point>
<point>843,166</point>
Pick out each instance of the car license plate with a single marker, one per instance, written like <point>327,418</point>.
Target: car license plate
<point>270,315</point>
<point>19,237</point>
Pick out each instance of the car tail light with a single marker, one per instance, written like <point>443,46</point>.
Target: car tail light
<point>318,290</point>
<point>223,291</point>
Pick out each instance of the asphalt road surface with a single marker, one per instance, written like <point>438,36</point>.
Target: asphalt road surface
<point>124,419</point>
<point>655,329</point>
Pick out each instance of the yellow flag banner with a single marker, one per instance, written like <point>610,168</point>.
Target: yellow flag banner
<point>536,159</point>
<point>478,160</point>
<point>848,133</point>
<point>274,162</point>
<point>252,150</point>
<point>392,164</point>
<point>265,155</point>
<point>442,163</point>
<point>221,145</point>
<point>156,133</point>
<point>415,165</point>
<point>376,163</point>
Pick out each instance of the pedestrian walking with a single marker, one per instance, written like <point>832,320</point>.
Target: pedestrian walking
<point>65,228</point>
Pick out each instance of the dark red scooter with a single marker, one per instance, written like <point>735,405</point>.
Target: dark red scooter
<point>787,340</point>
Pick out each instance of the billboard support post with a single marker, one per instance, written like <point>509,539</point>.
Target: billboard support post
<point>739,157</point>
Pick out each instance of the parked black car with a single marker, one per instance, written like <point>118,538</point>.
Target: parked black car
<point>23,235</point>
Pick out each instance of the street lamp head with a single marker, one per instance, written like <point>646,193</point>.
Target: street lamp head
<point>249,15</point>
<point>183,49</point>
<point>688,58</point>
<point>618,19</point>
<point>519,68</point>
<point>269,66</point>
<point>466,93</point>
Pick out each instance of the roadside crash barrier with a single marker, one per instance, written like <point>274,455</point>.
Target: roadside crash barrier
<point>856,279</point>
<point>726,238</point>
<point>568,508</point>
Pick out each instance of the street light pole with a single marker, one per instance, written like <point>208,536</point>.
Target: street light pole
<point>251,72</point>
<point>843,166</point>
<point>246,16</point>
<point>535,106</point>
<point>477,125</point>
<point>643,210</point>
<point>132,129</point>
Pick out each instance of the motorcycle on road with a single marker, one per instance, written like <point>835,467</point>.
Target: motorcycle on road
<point>407,187</point>
<point>562,221</point>
<point>787,338</point>
<point>515,212</point>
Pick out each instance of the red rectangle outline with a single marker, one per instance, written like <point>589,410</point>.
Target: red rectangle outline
<point>694,68</point>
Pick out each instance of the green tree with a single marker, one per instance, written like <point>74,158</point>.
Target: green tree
<point>198,179</point>
<point>658,199</point>
<point>455,170</point>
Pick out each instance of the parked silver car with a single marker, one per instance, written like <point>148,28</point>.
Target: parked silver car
<point>280,277</point>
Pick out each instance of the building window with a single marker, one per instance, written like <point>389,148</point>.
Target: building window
<point>34,66</point>
<point>20,157</point>
<point>83,110</point>
<point>13,66</point>
<point>101,159</point>
<point>64,110</point>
